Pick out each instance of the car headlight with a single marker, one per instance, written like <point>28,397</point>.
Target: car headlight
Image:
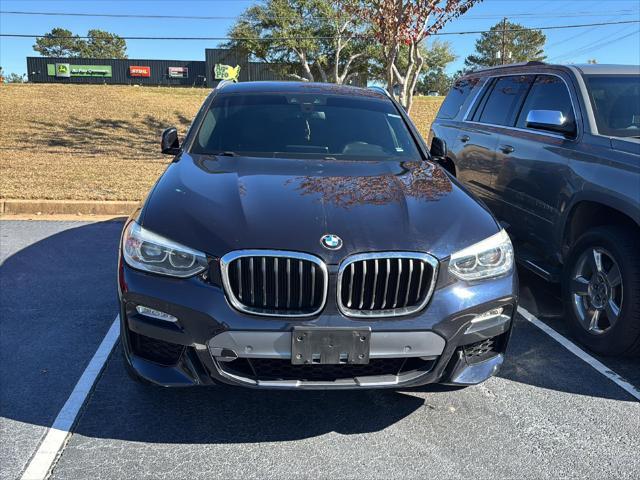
<point>489,258</point>
<point>149,251</point>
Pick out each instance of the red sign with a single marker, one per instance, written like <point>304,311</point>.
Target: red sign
<point>139,71</point>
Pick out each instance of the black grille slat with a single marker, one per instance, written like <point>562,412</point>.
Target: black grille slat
<point>313,284</point>
<point>398,283</point>
<point>410,277</point>
<point>276,284</point>
<point>375,284</point>
<point>383,285</point>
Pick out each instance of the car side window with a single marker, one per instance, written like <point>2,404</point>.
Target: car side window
<point>548,92</point>
<point>456,97</point>
<point>503,102</point>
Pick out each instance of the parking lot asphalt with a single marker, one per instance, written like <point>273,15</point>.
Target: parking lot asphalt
<point>547,414</point>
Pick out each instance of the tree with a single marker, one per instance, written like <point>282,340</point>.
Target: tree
<point>406,23</point>
<point>434,81</point>
<point>101,44</point>
<point>15,78</point>
<point>314,39</point>
<point>501,46</point>
<point>436,59</point>
<point>59,42</point>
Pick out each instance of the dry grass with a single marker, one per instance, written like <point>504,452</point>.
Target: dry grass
<point>424,111</point>
<point>87,142</point>
<point>98,142</point>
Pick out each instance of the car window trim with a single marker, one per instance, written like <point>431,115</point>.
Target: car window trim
<point>487,96</point>
<point>484,98</point>
<point>529,130</point>
<point>486,81</point>
<point>478,89</point>
<point>479,102</point>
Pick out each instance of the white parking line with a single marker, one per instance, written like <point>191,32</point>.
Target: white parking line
<point>578,352</point>
<point>53,443</point>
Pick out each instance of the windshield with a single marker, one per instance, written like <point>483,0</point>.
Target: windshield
<point>315,126</point>
<point>616,104</point>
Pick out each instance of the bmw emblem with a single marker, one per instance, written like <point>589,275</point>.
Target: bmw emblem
<point>332,242</point>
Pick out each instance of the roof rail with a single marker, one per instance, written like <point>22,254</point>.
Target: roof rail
<point>222,84</point>
<point>379,90</point>
<point>497,67</point>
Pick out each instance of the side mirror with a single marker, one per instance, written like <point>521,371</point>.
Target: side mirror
<point>170,144</point>
<point>550,120</point>
<point>438,148</point>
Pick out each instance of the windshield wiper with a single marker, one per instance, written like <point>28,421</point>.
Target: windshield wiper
<point>226,153</point>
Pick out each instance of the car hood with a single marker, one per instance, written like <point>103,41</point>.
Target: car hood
<point>220,204</point>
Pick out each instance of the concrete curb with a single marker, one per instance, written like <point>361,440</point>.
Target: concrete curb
<point>66,207</point>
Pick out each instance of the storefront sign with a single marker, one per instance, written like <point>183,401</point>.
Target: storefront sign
<point>63,70</point>
<point>178,72</point>
<point>135,71</point>
<point>226,72</point>
<point>66,70</point>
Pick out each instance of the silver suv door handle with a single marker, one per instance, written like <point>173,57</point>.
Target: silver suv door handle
<point>506,149</point>
<point>465,138</point>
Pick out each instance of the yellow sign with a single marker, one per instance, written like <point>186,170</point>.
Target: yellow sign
<point>226,72</point>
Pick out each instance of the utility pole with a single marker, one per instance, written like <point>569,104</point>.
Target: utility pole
<point>503,50</point>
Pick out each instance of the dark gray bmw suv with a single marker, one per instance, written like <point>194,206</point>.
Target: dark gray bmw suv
<point>554,151</point>
<point>302,238</point>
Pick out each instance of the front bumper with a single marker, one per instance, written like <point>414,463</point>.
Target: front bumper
<point>211,342</point>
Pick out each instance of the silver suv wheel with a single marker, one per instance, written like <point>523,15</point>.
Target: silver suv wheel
<point>596,290</point>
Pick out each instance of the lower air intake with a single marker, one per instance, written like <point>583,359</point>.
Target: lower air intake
<point>158,351</point>
<point>277,369</point>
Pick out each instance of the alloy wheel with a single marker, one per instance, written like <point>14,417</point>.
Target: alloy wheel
<point>596,290</point>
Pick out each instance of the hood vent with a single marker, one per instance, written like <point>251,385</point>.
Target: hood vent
<point>275,283</point>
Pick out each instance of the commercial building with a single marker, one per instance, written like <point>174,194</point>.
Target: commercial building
<point>219,63</point>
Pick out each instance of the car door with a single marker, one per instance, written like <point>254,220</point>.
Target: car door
<point>495,109</point>
<point>533,165</point>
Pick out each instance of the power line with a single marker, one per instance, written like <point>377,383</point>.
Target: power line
<point>118,15</point>
<point>606,44</point>
<point>566,40</point>
<point>624,12</point>
<point>596,45</point>
<point>275,39</point>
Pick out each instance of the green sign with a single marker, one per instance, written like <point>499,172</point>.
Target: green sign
<point>63,70</point>
<point>226,72</point>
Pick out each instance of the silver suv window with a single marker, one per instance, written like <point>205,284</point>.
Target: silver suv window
<point>548,92</point>
<point>616,104</point>
<point>501,104</point>
<point>456,97</point>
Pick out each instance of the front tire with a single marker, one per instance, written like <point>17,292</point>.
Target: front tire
<point>601,291</point>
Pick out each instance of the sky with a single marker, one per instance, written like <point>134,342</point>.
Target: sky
<point>606,44</point>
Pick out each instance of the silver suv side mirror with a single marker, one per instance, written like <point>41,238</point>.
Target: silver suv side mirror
<point>551,120</point>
